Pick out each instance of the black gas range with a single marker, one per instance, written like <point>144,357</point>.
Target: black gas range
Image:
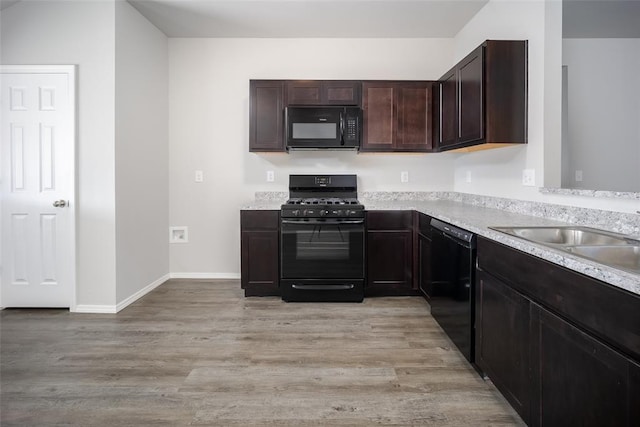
<point>322,240</point>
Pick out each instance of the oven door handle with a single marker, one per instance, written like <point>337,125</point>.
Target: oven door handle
<point>323,287</point>
<point>299,222</point>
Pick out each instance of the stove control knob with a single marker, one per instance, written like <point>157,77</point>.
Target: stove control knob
<point>295,212</point>
<point>323,212</point>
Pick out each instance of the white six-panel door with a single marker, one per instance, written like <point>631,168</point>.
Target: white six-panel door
<point>38,152</point>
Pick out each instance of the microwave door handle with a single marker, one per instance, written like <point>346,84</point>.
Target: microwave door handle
<point>341,129</point>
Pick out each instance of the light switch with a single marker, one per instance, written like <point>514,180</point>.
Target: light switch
<point>271,176</point>
<point>404,176</point>
<point>199,176</point>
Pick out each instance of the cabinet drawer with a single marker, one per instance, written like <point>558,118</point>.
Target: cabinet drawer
<point>389,220</point>
<point>259,220</point>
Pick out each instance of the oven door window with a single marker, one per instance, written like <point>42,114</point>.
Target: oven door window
<point>322,250</point>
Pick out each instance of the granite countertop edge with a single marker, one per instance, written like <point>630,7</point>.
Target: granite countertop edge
<point>478,219</point>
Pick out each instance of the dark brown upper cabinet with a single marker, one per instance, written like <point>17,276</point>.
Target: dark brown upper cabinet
<point>323,92</point>
<point>482,101</point>
<point>397,116</point>
<point>266,119</point>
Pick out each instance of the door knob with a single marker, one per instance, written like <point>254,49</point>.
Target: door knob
<point>59,203</point>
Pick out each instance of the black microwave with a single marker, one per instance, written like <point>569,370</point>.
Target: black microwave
<point>330,127</point>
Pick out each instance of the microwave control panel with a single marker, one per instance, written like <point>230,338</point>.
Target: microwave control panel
<point>352,128</point>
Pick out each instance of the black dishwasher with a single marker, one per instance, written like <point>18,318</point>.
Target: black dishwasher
<point>452,300</point>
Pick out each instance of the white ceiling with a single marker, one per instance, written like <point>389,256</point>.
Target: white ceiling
<point>363,18</point>
<point>309,18</point>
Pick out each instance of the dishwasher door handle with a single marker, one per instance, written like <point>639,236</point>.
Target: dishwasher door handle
<point>457,241</point>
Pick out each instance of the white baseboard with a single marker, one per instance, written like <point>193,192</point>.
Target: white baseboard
<point>112,309</point>
<point>204,275</point>
<point>96,309</point>
<point>142,292</point>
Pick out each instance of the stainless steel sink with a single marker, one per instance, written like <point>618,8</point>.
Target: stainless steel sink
<point>567,235</point>
<point>623,257</point>
<point>612,249</point>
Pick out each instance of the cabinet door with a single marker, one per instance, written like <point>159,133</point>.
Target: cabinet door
<point>266,119</point>
<point>503,340</point>
<point>389,263</point>
<point>259,252</point>
<point>580,381</point>
<point>303,92</point>
<point>448,95</point>
<point>336,92</point>
<point>397,116</point>
<point>471,108</point>
<point>414,117</point>
<point>379,116</point>
<point>389,253</point>
<point>323,92</point>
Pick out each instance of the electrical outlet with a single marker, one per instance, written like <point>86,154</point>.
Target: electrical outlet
<point>404,176</point>
<point>199,176</point>
<point>529,177</point>
<point>271,176</point>
<point>468,177</point>
<point>578,176</point>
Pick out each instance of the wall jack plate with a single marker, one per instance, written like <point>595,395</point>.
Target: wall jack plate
<point>179,234</point>
<point>404,176</point>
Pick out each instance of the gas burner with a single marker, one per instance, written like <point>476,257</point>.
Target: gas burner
<point>327,197</point>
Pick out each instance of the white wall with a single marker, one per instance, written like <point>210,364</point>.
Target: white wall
<point>209,131</point>
<point>141,153</point>
<point>603,113</point>
<point>499,172</point>
<point>82,33</point>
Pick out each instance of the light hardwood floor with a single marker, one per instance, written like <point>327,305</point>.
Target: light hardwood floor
<point>199,353</point>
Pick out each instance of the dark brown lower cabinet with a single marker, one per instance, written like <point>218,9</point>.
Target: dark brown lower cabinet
<point>561,347</point>
<point>259,231</point>
<point>389,253</point>
<point>579,380</point>
<point>503,340</point>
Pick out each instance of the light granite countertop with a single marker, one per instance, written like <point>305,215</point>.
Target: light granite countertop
<point>477,219</point>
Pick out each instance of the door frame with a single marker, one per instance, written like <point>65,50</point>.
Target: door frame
<point>71,72</point>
